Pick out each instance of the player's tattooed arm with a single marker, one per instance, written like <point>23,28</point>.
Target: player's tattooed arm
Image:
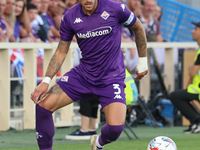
<point>140,38</point>
<point>55,90</point>
<point>57,58</point>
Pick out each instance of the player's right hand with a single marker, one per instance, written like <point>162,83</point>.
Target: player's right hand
<point>40,92</point>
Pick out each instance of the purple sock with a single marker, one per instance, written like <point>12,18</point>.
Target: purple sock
<point>110,133</point>
<point>44,128</point>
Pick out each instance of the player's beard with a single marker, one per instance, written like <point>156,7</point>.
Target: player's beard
<point>91,9</point>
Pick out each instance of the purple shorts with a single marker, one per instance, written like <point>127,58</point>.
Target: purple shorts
<point>78,87</point>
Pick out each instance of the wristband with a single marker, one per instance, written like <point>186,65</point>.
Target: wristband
<point>142,64</point>
<point>46,80</point>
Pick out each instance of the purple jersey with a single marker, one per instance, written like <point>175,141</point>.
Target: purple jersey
<point>99,38</point>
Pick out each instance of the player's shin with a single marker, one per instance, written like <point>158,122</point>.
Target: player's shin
<point>44,128</point>
<point>110,133</point>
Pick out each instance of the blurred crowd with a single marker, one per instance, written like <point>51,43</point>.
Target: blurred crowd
<point>32,20</point>
<point>39,21</point>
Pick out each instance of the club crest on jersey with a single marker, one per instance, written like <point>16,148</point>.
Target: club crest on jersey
<point>64,78</point>
<point>105,15</point>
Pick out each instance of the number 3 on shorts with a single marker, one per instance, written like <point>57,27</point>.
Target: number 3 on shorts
<point>116,86</point>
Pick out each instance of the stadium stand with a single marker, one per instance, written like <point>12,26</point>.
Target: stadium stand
<point>176,20</point>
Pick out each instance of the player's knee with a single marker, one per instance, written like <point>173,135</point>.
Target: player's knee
<point>115,131</point>
<point>46,104</point>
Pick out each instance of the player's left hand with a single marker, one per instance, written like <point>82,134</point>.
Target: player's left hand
<point>142,68</point>
<point>140,75</point>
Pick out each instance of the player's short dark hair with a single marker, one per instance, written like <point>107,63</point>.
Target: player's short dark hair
<point>31,6</point>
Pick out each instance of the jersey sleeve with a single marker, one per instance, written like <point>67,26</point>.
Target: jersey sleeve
<point>66,32</point>
<point>197,62</point>
<point>124,15</point>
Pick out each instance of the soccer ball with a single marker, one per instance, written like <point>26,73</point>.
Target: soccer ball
<point>162,143</point>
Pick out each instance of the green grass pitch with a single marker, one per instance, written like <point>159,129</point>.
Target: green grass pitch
<point>25,140</point>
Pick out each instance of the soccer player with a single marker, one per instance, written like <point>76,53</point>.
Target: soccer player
<point>97,27</point>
